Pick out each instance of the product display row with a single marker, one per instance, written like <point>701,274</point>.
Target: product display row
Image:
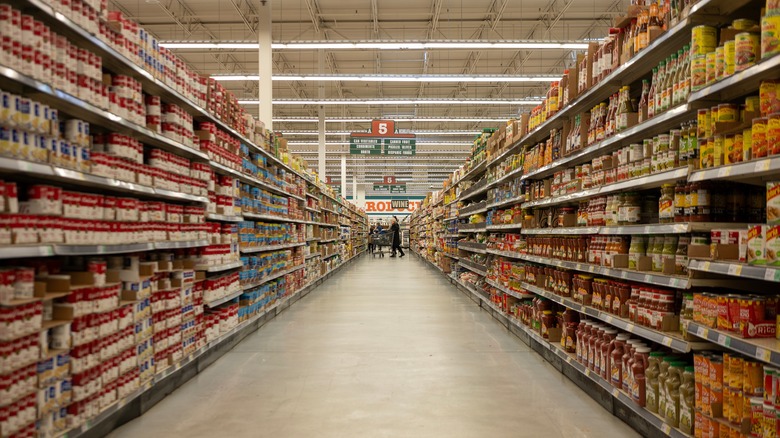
<point>625,219</point>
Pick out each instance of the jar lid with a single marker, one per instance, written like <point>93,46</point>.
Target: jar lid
<point>643,350</point>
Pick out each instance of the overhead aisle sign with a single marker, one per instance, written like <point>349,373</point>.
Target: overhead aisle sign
<point>390,185</point>
<point>382,140</point>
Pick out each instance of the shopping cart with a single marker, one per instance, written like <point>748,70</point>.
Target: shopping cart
<point>381,240</point>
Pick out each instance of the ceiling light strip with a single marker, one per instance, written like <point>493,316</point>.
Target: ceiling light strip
<point>397,120</point>
<point>529,102</point>
<point>384,45</point>
<point>393,78</point>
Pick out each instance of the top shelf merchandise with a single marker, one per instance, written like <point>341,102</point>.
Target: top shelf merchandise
<point>145,215</point>
<point>641,196</point>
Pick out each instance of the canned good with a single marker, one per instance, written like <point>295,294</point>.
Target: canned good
<point>720,63</point>
<point>767,93</point>
<point>747,144</point>
<point>703,123</point>
<point>704,39</point>
<point>748,50</point>
<point>744,24</point>
<point>772,7</point>
<point>773,134</point>
<point>698,72</point>
<point>758,136</point>
<point>728,112</point>
<point>770,35</point>
<point>730,153</point>
<point>729,56</point>
<point>717,151</point>
<point>711,68</point>
<point>752,104</point>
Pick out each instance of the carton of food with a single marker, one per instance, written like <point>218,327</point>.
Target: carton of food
<point>773,245</point>
<point>756,249</point>
<point>773,202</point>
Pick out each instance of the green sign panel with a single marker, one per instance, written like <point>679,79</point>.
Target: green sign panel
<point>400,146</point>
<point>365,146</point>
<point>337,189</point>
<point>391,188</point>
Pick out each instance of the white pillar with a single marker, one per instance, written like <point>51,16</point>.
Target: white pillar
<point>265,85</point>
<point>355,194</point>
<point>343,175</point>
<point>321,149</point>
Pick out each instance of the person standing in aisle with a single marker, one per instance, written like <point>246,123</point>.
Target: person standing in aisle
<point>396,230</point>
<point>370,241</point>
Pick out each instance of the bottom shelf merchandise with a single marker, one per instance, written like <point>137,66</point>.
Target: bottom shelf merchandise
<point>700,393</point>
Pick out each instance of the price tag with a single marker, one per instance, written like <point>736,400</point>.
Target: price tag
<point>772,275</point>
<point>568,359</point>
<point>587,372</point>
<point>735,270</point>
<point>763,354</point>
<point>667,341</point>
<point>762,166</point>
<point>630,328</point>
<point>666,429</point>
<point>724,172</point>
<point>615,393</point>
<point>608,319</point>
<point>701,332</point>
<point>648,277</point>
<point>705,266</point>
<point>723,339</point>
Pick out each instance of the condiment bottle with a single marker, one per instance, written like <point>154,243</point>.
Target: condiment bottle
<point>673,382</point>
<point>638,367</point>
<point>687,399</point>
<point>651,376</point>
<point>606,345</point>
<point>615,359</point>
<point>663,375</point>
<point>628,357</point>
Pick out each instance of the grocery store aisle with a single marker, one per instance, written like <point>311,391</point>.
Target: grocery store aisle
<point>389,348</point>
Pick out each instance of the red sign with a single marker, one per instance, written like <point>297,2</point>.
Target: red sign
<point>382,128</point>
<point>386,206</point>
<point>389,180</point>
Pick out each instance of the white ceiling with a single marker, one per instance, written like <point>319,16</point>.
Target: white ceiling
<point>351,20</point>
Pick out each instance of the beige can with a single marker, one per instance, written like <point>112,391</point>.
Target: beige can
<point>729,56</point>
<point>712,73</point>
<point>704,39</point>
<point>720,63</point>
<point>770,35</point>
<point>748,50</point>
<point>698,72</point>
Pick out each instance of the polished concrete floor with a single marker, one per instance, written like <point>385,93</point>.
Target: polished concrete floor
<point>385,348</point>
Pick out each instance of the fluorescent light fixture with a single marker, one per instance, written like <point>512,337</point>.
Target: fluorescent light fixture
<point>397,120</point>
<point>335,133</point>
<point>529,102</point>
<point>346,143</point>
<point>384,45</point>
<point>394,78</point>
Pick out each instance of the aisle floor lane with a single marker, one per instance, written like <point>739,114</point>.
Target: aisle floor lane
<point>386,348</point>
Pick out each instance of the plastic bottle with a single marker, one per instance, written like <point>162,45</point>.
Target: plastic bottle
<point>615,359</point>
<point>651,375</point>
<point>638,384</point>
<point>673,382</point>
<point>606,345</point>
<point>663,375</point>
<point>687,400</point>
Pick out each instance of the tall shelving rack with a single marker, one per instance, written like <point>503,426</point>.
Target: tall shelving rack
<point>494,235</point>
<point>149,225</point>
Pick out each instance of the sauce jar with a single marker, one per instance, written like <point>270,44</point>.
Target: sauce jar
<point>666,204</point>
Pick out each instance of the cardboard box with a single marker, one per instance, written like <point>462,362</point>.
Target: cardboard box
<point>756,247</point>
<point>773,245</point>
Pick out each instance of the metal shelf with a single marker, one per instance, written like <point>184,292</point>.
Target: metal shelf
<point>473,267</point>
<point>270,218</point>
<point>764,349</point>
<point>479,248</point>
<point>510,175</point>
<point>224,300</point>
<point>181,245</point>
<point>504,227</point>
<point>220,268</point>
<point>506,290</point>
<point>671,340</point>
<point>736,269</point>
<point>645,182</point>
<point>509,201</point>
<point>223,218</point>
<point>561,231</point>
<point>678,228</point>
<point>271,248</point>
<point>474,191</point>
<point>672,281</point>
<point>272,277</point>
<point>740,83</point>
<point>749,171</point>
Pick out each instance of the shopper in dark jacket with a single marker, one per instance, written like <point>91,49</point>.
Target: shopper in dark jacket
<point>396,230</point>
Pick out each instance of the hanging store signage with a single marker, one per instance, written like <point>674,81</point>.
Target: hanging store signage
<point>390,188</point>
<point>382,140</point>
<point>401,204</point>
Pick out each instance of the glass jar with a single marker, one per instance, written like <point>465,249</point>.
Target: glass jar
<point>681,255</point>
<point>700,202</point>
<point>637,249</point>
<point>630,210</point>
<point>666,204</point>
<point>679,202</point>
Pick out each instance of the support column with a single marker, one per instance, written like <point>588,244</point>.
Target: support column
<point>321,150</point>
<point>344,176</point>
<point>265,84</point>
<point>355,194</point>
